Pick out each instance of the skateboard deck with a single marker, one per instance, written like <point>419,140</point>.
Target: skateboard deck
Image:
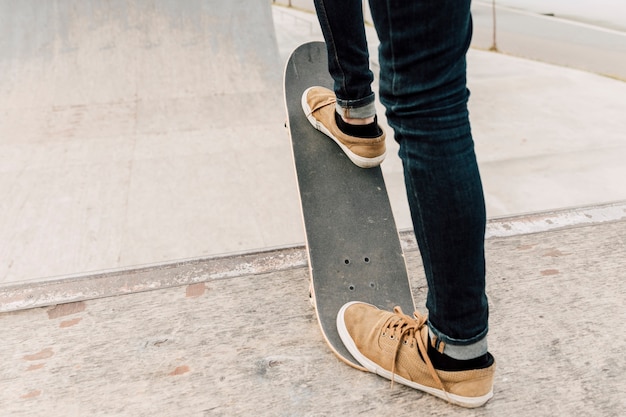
<point>352,241</point>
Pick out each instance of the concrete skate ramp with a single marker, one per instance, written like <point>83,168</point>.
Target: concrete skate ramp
<point>126,132</point>
<point>125,65</point>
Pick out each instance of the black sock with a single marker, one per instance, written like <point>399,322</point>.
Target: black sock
<point>368,131</point>
<point>446,363</point>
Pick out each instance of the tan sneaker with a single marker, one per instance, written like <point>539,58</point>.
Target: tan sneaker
<point>394,345</point>
<point>318,104</point>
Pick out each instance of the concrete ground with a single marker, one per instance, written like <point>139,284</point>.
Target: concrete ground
<point>237,336</point>
<point>109,160</point>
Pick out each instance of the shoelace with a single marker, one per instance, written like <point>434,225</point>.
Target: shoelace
<point>412,328</point>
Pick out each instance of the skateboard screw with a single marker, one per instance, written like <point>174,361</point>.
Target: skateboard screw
<point>347,261</point>
<point>351,287</point>
<point>367,260</point>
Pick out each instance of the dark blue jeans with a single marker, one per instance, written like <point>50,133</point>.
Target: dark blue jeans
<point>423,44</point>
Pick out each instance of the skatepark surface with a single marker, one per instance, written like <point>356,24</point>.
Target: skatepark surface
<point>136,137</point>
<point>151,258</point>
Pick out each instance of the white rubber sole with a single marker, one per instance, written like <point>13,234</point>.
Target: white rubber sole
<point>357,160</point>
<point>467,402</point>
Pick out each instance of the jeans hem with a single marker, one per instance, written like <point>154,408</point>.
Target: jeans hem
<point>462,349</point>
<point>357,109</point>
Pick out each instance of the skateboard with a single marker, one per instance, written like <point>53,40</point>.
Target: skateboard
<point>353,245</point>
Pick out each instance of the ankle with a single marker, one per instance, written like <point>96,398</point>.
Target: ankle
<point>359,122</point>
<point>444,362</point>
<point>367,131</point>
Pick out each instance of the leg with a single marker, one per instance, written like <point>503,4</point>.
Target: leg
<point>423,87</point>
<point>348,57</point>
<point>348,116</point>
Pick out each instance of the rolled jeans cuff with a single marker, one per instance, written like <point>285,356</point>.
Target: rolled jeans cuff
<point>357,109</point>
<point>458,349</point>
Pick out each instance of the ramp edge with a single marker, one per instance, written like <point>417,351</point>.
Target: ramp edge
<point>93,285</point>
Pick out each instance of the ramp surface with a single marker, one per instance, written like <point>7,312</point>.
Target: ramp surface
<point>126,128</point>
<point>174,170</point>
